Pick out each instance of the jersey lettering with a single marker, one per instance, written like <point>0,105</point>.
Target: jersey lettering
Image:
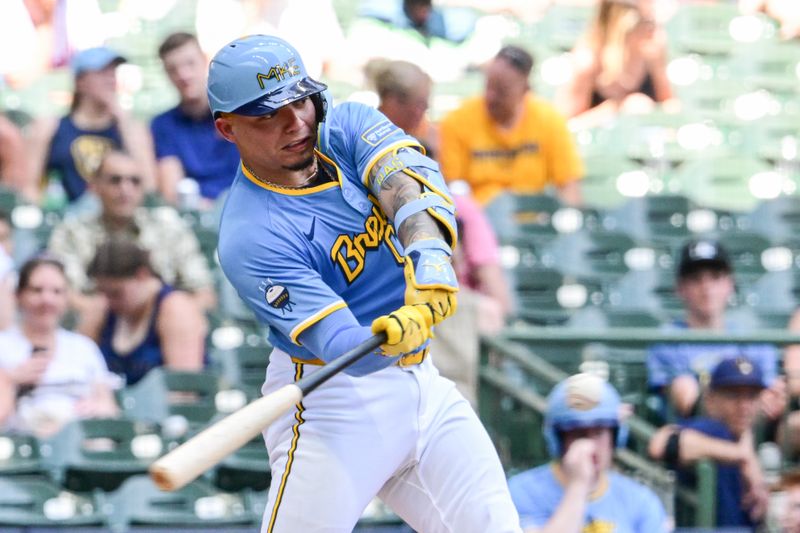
<point>350,253</point>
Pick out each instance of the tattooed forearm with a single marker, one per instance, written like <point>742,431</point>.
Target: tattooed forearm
<point>395,191</point>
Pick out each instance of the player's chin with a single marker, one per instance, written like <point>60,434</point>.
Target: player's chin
<point>300,162</point>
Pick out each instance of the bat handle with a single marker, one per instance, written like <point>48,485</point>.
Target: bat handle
<point>311,382</point>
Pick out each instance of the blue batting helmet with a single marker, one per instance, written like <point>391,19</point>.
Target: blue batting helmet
<point>581,401</point>
<point>257,75</point>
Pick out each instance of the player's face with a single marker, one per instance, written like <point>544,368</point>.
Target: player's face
<point>119,186</point>
<point>43,301</point>
<point>705,293</point>
<point>602,437</point>
<point>736,407</point>
<point>275,144</point>
<point>187,68</point>
<point>505,89</point>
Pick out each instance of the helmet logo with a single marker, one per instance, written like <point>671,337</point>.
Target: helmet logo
<point>279,72</point>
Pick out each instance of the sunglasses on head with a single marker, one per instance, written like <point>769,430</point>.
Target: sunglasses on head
<point>116,179</point>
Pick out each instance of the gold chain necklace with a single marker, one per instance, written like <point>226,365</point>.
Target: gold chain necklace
<point>309,180</point>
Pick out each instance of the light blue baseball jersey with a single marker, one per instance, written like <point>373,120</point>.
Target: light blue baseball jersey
<point>621,506</point>
<point>296,256</point>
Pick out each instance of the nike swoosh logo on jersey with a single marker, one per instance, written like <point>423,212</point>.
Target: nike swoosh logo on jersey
<point>310,234</point>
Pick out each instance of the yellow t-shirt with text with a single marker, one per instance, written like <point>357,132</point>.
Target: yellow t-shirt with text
<point>538,152</point>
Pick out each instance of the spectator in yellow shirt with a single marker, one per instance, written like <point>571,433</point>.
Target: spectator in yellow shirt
<point>508,139</point>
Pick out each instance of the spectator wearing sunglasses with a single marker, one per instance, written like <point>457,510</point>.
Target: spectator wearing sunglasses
<point>619,66</point>
<point>174,250</point>
<point>508,140</point>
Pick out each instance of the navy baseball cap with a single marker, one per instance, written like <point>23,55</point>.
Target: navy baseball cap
<point>704,253</point>
<point>94,59</point>
<point>737,372</point>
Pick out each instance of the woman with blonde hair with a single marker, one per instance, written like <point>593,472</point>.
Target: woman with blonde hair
<point>620,65</point>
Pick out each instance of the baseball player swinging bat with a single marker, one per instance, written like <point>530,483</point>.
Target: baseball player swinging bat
<point>186,462</point>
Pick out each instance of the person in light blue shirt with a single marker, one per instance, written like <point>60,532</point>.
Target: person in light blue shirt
<point>578,492</point>
<point>677,372</point>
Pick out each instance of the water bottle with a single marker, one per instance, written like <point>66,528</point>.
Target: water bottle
<point>188,194</point>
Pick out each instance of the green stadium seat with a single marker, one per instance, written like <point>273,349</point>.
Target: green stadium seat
<point>599,184</point>
<point>660,220</point>
<point>722,182</point>
<point>19,454</point>
<point>562,25</point>
<point>745,250</point>
<point>702,28</point>
<point>591,254</point>
<point>768,65</point>
<point>244,366</point>
<point>33,502</point>
<point>138,503</point>
<point>247,467</point>
<point>546,296</point>
<point>777,220</point>
<point>163,393</point>
<point>101,453</point>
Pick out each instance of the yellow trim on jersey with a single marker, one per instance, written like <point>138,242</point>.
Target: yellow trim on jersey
<point>316,361</point>
<point>313,319</point>
<point>405,143</point>
<point>298,416</point>
<point>599,489</point>
<point>289,191</point>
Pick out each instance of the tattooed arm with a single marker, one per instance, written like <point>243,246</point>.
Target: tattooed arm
<point>411,192</point>
<point>399,189</point>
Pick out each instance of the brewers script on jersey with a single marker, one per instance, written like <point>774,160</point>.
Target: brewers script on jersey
<point>328,255</point>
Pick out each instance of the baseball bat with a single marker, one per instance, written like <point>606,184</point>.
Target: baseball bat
<point>198,454</point>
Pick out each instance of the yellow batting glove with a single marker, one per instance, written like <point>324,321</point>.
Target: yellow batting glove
<point>408,330</point>
<point>430,278</point>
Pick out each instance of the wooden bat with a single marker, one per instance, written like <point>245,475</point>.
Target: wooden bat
<point>206,449</point>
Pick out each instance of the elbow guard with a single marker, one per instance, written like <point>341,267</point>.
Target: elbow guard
<point>435,199</point>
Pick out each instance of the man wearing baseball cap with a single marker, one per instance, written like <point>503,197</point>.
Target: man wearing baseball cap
<point>579,491</point>
<point>724,436</point>
<point>677,371</point>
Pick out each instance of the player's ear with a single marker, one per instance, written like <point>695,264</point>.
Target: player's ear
<point>224,127</point>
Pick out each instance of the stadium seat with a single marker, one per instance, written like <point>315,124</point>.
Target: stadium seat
<point>777,219</point>
<point>724,182</point>
<point>745,250</point>
<point>702,28</point>
<point>660,220</point>
<point>162,393</point>
<point>591,254</point>
<point>19,454</point>
<point>101,453</point>
<point>548,297</point>
<point>562,25</point>
<point>31,502</point>
<point>246,365</point>
<point>247,467</point>
<point>769,65</point>
<point>599,184</point>
<point>138,502</point>
<point>528,215</point>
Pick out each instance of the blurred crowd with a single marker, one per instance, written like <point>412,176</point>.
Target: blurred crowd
<point>125,271</point>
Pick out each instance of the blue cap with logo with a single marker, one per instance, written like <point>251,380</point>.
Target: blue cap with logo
<point>258,74</point>
<point>703,253</point>
<point>737,372</point>
<point>94,59</point>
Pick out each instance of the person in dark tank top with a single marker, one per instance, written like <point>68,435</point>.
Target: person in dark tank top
<point>619,65</point>
<point>148,323</point>
<point>72,147</point>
